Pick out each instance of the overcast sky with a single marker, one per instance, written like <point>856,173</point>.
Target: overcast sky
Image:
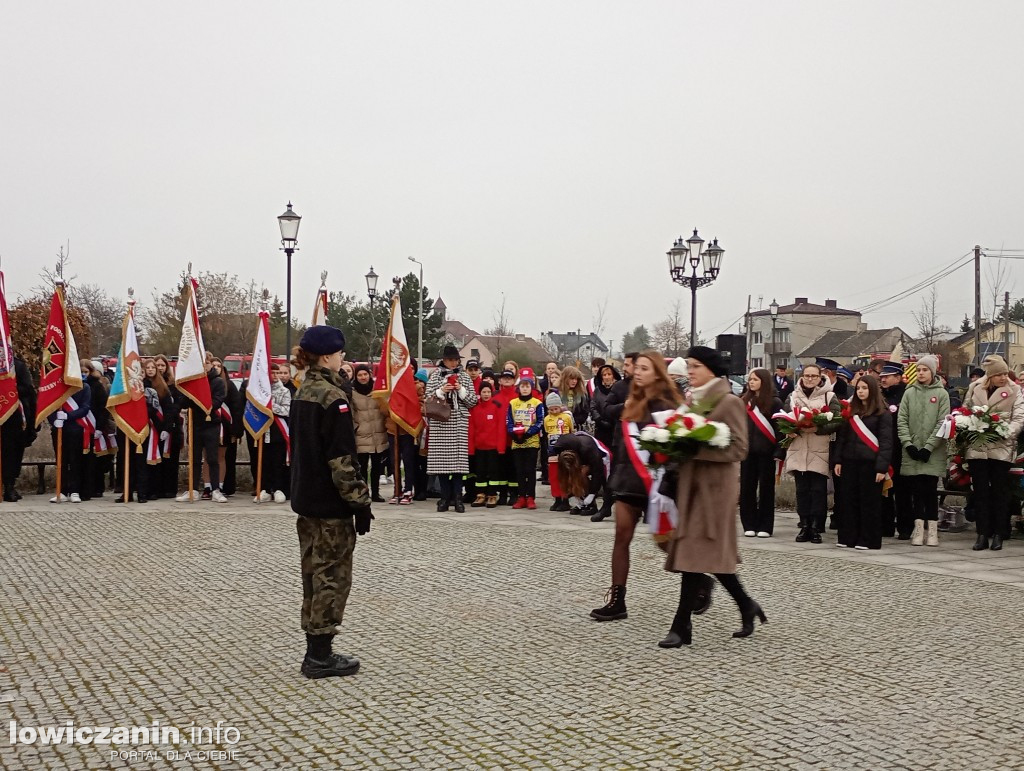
<point>548,150</point>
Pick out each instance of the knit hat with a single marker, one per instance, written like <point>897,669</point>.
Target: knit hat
<point>929,361</point>
<point>553,400</point>
<point>710,358</point>
<point>421,375</point>
<point>678,366</point>
<point>322,340</point>
<point>994,365</point>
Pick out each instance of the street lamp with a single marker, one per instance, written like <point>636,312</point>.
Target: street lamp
<point>289,224</point>
<point>419,323</point>
<point>773,309</point>
<point>690,251</point>
<point>371,292</point>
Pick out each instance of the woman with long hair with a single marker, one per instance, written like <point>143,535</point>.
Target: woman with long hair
<point>369,415</point>
<point>757,470</point>
<point>704,539</point>
<point>173,425</point>
<point>652,390</point>
<point>807,457</point>
<point>582,464</point>
<point>865,445</point>
<point>573,391</point>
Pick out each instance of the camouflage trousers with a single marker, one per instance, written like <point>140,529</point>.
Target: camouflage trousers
<point>326,546</point>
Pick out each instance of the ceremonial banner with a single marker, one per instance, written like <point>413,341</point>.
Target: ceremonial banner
<point>320,309</point>
<point>258,413</point>
<point>127,401</point>
<point>8,384</point>
<point>395,376</point>
<point>61,373</point>
<point>190,372</point>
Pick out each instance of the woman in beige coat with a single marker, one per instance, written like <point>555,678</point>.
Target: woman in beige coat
<point>807,456</point>
<point>704,540</point>
<point>989,463</point>
<point>368,414</point>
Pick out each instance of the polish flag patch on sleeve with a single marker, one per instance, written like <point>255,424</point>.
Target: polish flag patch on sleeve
<point>343,407</point>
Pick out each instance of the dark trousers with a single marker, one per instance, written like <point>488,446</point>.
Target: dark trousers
<point>924,501</point>
<point>408,455</point>
<point>12,436</point>
<point>230,470</point>
<point>990,480</point>
<point>509,472</point>
<point>525,459</point>
<point>861,524</point>
<point>544,458</point>
<point>101,467</point>
<point>170,467</point>
<point>374,463</point>
<point>757,473</point>
<point>811,499</point>
<point>71,460</point>
<point>422,480</point>
<point>897,514</point>
<point>253,459</point>
<point>489,478</point>
<point>205,440</point>
<point>275,467</point>
<point>451,486</point>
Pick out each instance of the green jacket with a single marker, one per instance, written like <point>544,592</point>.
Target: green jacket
<point>917,423</point>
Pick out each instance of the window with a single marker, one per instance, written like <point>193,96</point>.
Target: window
<point>758,338</point>
<point>782,335</point>
<point>756,363</point>
<point>1013,337</point>
<point>474,353</point>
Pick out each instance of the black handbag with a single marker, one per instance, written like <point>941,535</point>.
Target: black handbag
<point>436,409</point>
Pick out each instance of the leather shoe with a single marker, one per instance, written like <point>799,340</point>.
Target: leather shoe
<point>997,543</point>
<point>678,639</point>
<point>442,505</point>
<point>460,507</point>
<point>981,544</point>
<point>815,536</point>
<point>804,535</point>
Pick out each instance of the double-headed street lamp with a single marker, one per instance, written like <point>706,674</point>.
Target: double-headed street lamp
<point>289,224</point>
<point>773,309</point>
<point>691,251</point>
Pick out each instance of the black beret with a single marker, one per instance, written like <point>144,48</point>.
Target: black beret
<point>322,340</point>
<point>710,358</point>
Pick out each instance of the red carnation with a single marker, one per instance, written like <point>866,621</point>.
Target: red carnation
<point>660,458</point>
<point>995,417</point>
<point>688,422</point>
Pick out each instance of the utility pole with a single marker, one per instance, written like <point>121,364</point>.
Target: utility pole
<point>977,305</point>
<point>746,320</point>
<point>1006,327</point>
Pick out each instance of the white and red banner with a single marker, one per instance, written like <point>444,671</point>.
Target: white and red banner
<point>190,371</point>
<point>762,423</point>
<point>61,372</point>
<point>259,413</point>
<point>394,379</point>
<point>9,403</point>
<point>127,401</point>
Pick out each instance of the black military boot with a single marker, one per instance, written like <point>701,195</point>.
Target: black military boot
<point>804,535</point>
<point>9,494</point>
<point>614,608</point>
<point>604,512</point>
<point>320,662</point>
<point>502,497</point>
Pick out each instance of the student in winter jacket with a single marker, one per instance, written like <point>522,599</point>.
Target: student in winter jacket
<point>275,443</point>
<point>557,422</point>
<point>807,457</point>
<point>369,416</point>
<point>487,440</point>
<point>897,517</point>
<point>507,493</point>
<point>989,463</point>
<point>757,470</point>
<point>865,453</point>
<point>206,437</point>
<point>524,419</point>
<point>173,425</point>
<point>74,416</point>
<point>924,406</point>
<point>574,396</point>
<point>604,426</point>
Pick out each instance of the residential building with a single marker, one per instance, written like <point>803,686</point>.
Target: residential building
<point>452,332</point>
<point>798,325</point>
<point>493,350</point>
<point>959,349</point>
<point>846,347</point>
<point>570,347</point>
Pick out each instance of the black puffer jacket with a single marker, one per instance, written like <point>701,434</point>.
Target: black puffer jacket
<point>585,447</point>
<point>625,481</point>
<point>852,448</point>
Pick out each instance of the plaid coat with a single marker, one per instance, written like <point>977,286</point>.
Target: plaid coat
<point>448,447</point>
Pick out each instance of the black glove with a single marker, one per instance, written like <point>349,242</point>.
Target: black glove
<point>924,454</point>
<point>913,452</point>
<point>363,517</point>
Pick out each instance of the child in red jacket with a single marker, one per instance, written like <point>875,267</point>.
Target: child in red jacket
<point>487,439</point>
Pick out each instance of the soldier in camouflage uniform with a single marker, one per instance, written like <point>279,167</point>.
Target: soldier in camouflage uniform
<point>328,494</point>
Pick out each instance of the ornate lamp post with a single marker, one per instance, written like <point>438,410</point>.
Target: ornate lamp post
<point>691,251</point>
<point>289,224</point>
<point>371,293</point>
<point>419,323</point>
<point>773,309</point>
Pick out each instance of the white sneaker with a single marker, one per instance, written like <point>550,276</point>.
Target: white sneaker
<point>749,533</point>
<point>387,480</point>
<point>59,499</point>
<point>263,497</point>
<point>183,498</point>
<point>76,498</point>
<point>763,534</point>
<point>861,548</point>
<point>219,497</point>
<point>279,497</point>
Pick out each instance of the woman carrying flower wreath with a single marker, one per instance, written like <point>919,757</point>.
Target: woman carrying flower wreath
<point>989,462</point>
<point>704,539</point>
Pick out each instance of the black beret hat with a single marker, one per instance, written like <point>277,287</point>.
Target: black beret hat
<point>322,340</point>
<point>710,358</point>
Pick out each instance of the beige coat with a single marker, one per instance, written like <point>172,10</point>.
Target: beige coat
<point>371,434</point>
<point>1008,402</point>
<point>704,540</point>
<point>809,452</point>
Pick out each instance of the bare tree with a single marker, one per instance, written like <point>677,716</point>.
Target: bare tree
<point>597,322</point>
<point>50,277</point>
<point>927,320</point>
<point>998,281</point>
<point>104,314</point>
<point>502,322</point>
<point>669,335</point>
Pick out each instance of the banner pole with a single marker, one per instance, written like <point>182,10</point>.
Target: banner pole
<point>2,454</point>
<point>127,470</point>
<point>60,458</point>
<point>191,492</point>
<point>259,469</point>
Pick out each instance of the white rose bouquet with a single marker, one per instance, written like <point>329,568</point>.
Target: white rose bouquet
<point>680,434</point>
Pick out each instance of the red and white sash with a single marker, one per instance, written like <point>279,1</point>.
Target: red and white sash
<point>865,433</point>
<point>662,514</point>
<point>87,422</point>
<point>282,426</point>
<point>762,423</point>
<point>225,417</point>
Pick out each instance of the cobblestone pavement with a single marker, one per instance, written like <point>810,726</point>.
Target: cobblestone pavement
<point>477,651</point>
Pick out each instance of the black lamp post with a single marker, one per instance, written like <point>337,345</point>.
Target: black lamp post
<point>371,292</point>
<point>773,309</point>
<point>691,251</point>
<point>289,224</point>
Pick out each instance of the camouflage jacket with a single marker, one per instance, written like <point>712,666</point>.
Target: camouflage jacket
<point>325,473</point>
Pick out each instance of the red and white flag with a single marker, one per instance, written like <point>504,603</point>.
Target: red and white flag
<point>395,376</point>
<point>8,384</point>
<point>127,401</point>
<point>61,372</point>
<point>190,372</point>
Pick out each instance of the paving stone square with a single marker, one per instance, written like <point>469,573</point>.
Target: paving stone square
<point>478,653</point>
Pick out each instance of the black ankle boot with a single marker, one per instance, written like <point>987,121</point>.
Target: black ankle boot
<point>804,535</point>
<point>603,513</point>
<point>748,614</point>
<point>614,608</point>
<point>702,601</point>
<point>981,544</point>
<point>502,497</point>
<point>997,542</point>
<point>460,507</point>
<point>319,662</point>
<point>9,495</point>
<point>678,637</point>
<point>442,504</point>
